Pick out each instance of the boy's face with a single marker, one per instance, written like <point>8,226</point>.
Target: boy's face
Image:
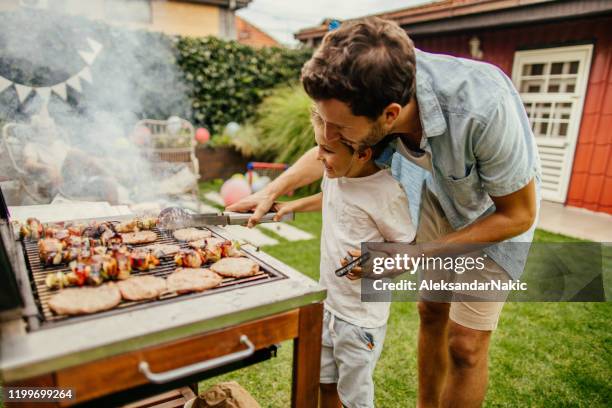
<point>339,160</point>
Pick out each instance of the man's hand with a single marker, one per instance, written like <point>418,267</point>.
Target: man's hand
<point>259,203</point>
<point>306,170</point>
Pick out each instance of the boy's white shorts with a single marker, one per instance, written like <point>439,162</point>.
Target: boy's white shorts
<point>348,356</point>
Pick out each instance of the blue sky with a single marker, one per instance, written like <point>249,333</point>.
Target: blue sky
<point>282,18</point>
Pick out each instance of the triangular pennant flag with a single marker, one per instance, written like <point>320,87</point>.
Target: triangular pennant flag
<point>95,46</point>
<point>75,83</point>
<point>85,74</point>
<point>88,57</point>
<point>44,93</point>
<point>22,92</point>
<point>4,83</point>
<point>60,90</point>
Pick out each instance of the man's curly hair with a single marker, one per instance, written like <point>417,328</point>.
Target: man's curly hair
<point>366,63</point>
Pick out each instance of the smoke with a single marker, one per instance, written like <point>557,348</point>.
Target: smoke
<point>100,80</point>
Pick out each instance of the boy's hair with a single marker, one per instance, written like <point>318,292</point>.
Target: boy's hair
<point>366,63</point>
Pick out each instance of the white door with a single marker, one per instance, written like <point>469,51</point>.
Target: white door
<point>552,83</point>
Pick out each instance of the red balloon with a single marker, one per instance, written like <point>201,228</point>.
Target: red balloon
<point>202,135</point>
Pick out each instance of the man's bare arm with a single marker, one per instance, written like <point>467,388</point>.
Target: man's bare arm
<point>514,214</point>
<point>305,171</point>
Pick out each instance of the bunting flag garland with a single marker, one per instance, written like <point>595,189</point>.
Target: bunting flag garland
<point>44,92</point>
<point>4,83</point>
<point>60,90</point>
<point>74,82</point>
<point>85,74</point>
<point>22,92</point>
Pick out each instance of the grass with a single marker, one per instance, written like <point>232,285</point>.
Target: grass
<point>542,355</point>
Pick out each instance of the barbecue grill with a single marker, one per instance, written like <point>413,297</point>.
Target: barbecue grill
<point>139,349</point>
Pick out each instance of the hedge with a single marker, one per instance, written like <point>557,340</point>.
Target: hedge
<point>228,80</point>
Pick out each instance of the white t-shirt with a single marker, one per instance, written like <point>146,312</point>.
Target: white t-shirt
<point>355,210</point>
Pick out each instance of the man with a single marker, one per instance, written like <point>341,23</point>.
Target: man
<point>465,155</point>
<point>57,168</point>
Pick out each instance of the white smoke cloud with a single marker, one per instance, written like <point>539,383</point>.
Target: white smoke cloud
<point>96,81</point>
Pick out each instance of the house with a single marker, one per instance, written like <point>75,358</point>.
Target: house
<point>193,18</point>
<point>559,55</point>
<point>249,34</point>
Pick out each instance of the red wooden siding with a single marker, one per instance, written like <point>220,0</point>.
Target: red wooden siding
<point>591,180</point>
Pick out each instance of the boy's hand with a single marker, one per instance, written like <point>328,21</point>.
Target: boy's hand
<point>283,208</point>
<point>356,272</point>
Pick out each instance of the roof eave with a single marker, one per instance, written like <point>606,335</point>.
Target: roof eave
<point>481,14</point>
<point>221,3</point>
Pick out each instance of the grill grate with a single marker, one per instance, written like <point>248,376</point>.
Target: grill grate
<point>42,294</point>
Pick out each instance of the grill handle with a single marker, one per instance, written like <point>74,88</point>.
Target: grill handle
<point>177,373</point>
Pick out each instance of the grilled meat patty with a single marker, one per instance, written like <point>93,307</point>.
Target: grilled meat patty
<point>140,237</point>
<point>161,250</point>
<point>191,234</point>
<point>235,267</point>
<point>185,280</point>
<point>76,301</point>
<point>142,287</point>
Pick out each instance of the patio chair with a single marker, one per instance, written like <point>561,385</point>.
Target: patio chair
<point>166,147</point>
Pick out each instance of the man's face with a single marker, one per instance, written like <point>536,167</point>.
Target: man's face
<point>339,123</point>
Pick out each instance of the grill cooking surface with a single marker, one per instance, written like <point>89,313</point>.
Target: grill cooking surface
<point>166,267</point>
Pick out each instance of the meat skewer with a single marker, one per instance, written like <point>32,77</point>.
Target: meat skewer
<point>190,258</point>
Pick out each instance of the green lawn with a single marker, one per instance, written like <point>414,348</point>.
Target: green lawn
<point>542,355</point>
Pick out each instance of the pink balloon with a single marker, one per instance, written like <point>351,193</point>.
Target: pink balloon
<point>202,135</point>
<point>234,190</point>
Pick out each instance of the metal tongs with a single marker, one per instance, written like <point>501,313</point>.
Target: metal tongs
<point>176,217</point>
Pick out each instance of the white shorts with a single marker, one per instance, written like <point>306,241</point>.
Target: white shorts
<point>478,315</point>
<point>348,356</point>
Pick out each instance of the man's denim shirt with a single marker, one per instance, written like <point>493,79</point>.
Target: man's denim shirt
<point>481,145</point>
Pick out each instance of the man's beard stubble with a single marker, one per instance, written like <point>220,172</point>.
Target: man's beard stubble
<point>376,134</point>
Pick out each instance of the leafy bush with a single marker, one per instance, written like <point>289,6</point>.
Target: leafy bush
<point>228,80</point>
<point>281,131</point>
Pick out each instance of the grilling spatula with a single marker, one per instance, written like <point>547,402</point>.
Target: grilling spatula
<point>176,217</point>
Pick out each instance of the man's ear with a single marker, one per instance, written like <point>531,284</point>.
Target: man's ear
<point>391,113</point>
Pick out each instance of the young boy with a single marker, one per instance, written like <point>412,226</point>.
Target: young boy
<point>353,331</point>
